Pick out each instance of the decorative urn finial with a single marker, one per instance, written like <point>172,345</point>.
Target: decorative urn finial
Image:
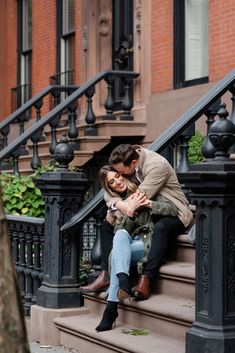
<point>63,153</point>
<point>222,134</point>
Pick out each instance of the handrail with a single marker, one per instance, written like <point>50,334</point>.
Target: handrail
<point>30,103</point>
<point>175,130</point>
<point>167,137</point>
<point>25,219</point>
<point>58,109</point>
<point>87,209</point>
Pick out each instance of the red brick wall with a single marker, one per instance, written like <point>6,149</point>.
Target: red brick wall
<point>162,45</point>
<point>8,49</point>
<point>221,38</point>
<point>2,59</point>
<point>44,43</point>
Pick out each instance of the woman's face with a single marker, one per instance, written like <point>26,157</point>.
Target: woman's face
<point>116,182</point>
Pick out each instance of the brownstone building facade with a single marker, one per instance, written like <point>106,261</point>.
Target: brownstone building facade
<point>179,47</point>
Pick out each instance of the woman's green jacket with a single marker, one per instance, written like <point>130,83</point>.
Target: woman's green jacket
<point>142,224</point>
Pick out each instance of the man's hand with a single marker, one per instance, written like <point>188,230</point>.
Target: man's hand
<point>110,217</point>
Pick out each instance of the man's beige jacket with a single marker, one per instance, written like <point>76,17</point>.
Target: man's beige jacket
<point>158,177</point>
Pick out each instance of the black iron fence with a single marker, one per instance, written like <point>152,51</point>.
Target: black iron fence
<point>27,239</point>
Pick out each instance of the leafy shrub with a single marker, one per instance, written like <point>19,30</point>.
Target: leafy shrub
<point>21,197</point>
<point>195,148</point>
<point>85,270</point>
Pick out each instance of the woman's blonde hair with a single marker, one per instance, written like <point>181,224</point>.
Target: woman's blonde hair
<point>131,187</point>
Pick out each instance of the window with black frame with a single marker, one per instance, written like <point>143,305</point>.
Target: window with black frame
<point>22,92</point>
<point>65,43</point>
<point>190,42</point>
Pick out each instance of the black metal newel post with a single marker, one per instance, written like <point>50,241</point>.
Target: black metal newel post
<point>213,191</point>
<point>63,191</point>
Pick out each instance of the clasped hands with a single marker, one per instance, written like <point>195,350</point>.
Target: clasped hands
<point>135,202</point>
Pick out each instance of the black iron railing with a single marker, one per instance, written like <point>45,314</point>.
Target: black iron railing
<point>20,117</point>
<point>51,118</point>
<point>27,240</point>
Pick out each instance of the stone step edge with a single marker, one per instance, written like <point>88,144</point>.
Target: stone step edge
<point>80,139</point>
<point>115,339</point>
<point>179,310</point>
<point>99,123</point>
<point>183,239</point>
<point>181,271</point>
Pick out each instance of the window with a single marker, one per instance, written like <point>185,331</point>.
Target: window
<point>190,42</point>
<point>22,93</point>
<point>65,41</point>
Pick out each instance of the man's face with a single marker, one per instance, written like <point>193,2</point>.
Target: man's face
<point>125,170</point>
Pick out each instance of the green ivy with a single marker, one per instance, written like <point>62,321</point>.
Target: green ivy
<point>21,196</point>
<point>195,148</point>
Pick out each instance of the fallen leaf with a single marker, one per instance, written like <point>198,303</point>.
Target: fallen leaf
<point>136,332</point>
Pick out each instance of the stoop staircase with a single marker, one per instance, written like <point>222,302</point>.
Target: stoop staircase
<point>28,137</point>
<point>88,145</point>
<point>170,311</point>
<point>167,314</point>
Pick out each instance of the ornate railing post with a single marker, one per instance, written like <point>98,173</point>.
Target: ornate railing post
<point>63,191</point>
<point>213,191</point>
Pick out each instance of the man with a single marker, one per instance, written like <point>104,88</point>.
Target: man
<point>154,175</point>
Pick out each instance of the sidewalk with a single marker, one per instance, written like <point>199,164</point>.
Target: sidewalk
<point>37,348</point>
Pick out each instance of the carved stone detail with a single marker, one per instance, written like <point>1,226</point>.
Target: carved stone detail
<point>104,26</point>
<point>138,15</point>
<point>85,38</point>
<point>204,273</point>
<point>231,263</point>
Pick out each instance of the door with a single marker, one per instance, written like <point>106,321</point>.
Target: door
<point>122,43</point>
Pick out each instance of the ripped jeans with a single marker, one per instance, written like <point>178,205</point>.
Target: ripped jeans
<point>126,252</point>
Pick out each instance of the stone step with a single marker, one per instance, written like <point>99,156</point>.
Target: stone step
<point>182,250</point>
<point>80,158</point>
<point>176,278</point>
<point>107,128</point>
<point>87,144</point>
<point>93,143</point>
<point>78,333</point>
<point>166,315</point>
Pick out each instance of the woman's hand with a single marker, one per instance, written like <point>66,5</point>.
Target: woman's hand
<point>135,202</point>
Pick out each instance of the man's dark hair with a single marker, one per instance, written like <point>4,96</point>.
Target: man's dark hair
<point>124,153</point>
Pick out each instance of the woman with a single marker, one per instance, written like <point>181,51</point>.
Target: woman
<point>132,239</point>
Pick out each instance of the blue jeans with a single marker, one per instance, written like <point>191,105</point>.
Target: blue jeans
<point>126,251</point>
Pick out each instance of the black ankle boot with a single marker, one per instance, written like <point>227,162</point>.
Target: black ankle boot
<point>109,316</point>
<point>125,286</point>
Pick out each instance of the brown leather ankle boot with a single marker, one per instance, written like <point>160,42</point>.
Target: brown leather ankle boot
<point>99,285</point>
<point>142,290</point>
